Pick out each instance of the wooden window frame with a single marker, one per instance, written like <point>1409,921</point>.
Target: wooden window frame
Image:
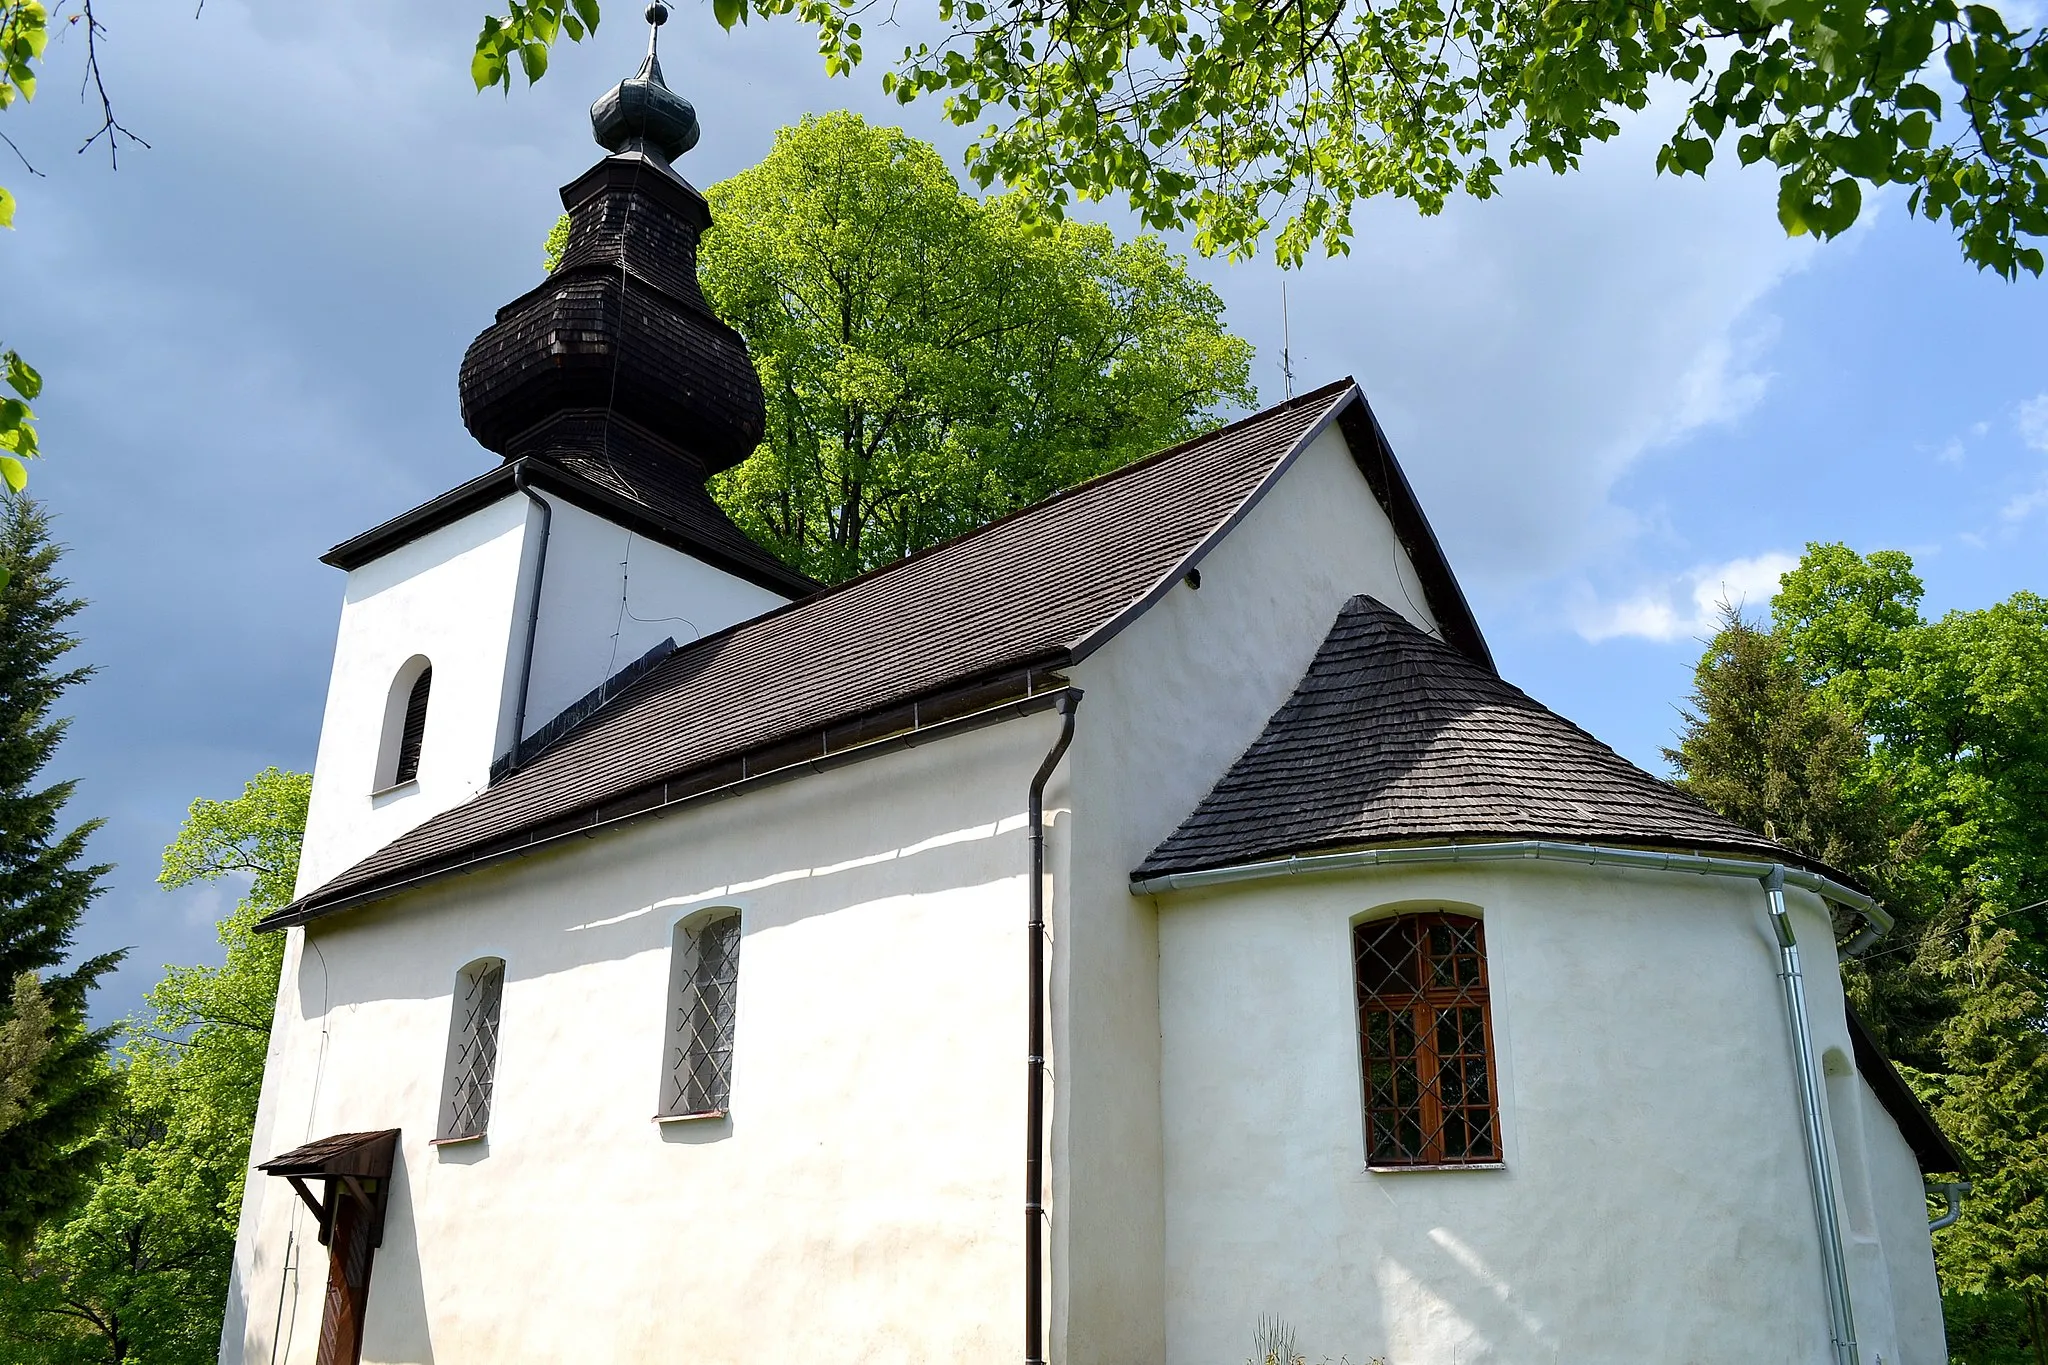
<point>1416,1128</point>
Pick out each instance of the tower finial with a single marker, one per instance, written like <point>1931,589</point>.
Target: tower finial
<point>641,113</point>
<point>657,15</point>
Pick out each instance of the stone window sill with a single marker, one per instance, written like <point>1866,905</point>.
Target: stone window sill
<point>697,1117</point>
<point>457,1141</point>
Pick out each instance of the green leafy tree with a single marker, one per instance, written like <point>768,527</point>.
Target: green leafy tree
<point>25,1041</point>
<point>140,1271</point>
<point>24,35</point>
<point>1764,748</point>
<point>931,362</point>
<point>47,1154</point>
<point>1234,116</point>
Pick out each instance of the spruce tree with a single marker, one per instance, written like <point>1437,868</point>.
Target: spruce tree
<point>48,1154</point>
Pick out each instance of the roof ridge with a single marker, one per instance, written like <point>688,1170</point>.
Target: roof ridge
<point>679,657</point>
<point>1386,738</point>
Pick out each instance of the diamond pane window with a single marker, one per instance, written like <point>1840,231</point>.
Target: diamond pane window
<point>704,978</point>
<point>1425,1041</point>
<point>472,1051</point>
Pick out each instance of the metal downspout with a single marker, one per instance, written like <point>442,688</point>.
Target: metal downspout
<point>1955,1190</point>
<point>1034,1094</point>
<point>1820,1170</point>
<point>540,569</point>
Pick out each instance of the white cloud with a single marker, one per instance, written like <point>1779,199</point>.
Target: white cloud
<point>1525,354</point>
<point>1687,606</point>
<point>2032,418</point>
<point>2026,504</point>
<point>1951,451</point>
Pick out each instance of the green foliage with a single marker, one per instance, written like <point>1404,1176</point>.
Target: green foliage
<point>1760,746</point>
<point>24,32</point>
<point>1231,117</point>
<point>556,244</point>
<point>140,1271</point>
<point>1914,753</point>
<point>1990,1329</point>
<point>45,883</point>
<point>25,1041</point>
<point>523,36</point>
<point>932,361</point>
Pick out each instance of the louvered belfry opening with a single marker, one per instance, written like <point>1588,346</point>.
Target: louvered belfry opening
<point>413,731</point>
<point>699,1079</point>
<point>1425,1036</point>
<point>472,1051</point>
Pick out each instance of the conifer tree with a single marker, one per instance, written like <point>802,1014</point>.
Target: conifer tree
<point>47,1154</point>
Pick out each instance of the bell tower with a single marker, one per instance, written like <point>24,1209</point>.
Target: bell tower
<point>480,626</point>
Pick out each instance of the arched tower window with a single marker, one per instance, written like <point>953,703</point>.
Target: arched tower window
<point>405,723</point>
<point>1425,1041</point>
<point>472,1051</point>
<point>704,975</point>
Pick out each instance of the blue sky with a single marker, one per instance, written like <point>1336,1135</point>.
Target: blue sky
<point>1620,396</point>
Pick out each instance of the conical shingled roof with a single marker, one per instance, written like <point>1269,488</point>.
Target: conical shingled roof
<point>1394,737</point>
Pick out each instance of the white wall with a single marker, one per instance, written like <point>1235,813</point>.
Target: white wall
<point>450,596</point>
<point>459,597</point>
<point>1653,1203</point>
<point>864,1200</point>
<point>1170,705</point>
<point>609,596</point>
<point>1907,1262</point>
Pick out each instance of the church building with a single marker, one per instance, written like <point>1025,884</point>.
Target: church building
<point>1144,919</point>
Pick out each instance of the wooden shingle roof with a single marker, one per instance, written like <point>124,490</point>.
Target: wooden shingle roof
<point>1039,589</point>
<point>1394,737</point>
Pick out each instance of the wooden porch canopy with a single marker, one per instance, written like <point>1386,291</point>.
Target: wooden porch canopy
<point>356,1169</point>
<point>353,1165</point>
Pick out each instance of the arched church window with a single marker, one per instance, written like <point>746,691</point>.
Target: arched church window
<point>472,1051</point>
<point>1425,1040</point>
<point>704,974</point>
<point>405,723</point>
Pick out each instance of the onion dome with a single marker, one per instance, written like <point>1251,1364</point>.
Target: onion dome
<point>616,363</point>
<point>641,111</point>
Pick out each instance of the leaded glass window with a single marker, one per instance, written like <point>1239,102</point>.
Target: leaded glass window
<point>472,1050</point>
<point>704,991</point>
<point>1425,1039</point>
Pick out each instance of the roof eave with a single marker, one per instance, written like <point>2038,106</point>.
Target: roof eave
<point>489,488</point>
<point>655,798</point>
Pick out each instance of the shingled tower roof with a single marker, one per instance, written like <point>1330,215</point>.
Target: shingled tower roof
<point>1393,737</point>
<point>615,369</point>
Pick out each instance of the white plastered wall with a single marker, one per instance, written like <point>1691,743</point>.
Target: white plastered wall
<point>1653,1201</point>
<point>459,597</point>
<point>609,595</point>
<point>1906,1262</point>
<point>1170,704</point>
<point>863,1202</point>
<point>450,596</point>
